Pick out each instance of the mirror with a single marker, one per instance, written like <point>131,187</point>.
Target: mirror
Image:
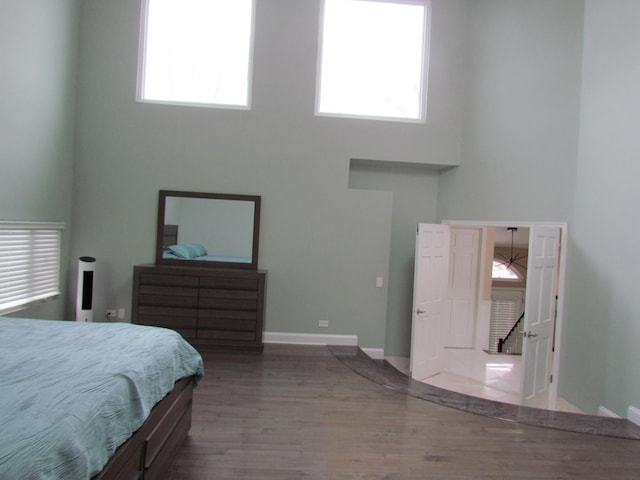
<point>208,229</point>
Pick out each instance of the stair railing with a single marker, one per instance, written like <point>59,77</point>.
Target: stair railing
<point>512,343</point>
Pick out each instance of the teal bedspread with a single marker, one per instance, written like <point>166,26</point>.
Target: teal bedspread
<point>71,393</point>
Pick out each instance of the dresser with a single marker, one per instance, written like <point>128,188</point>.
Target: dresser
<point>210,307</point>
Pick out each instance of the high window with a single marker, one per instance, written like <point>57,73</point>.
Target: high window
<point>29,263</point>
<point>501,271</point>
<point>196,52</point>
<point>372,59</point>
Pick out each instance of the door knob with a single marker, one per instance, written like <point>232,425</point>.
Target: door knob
<point>528,334</point>
<point>418,311</point>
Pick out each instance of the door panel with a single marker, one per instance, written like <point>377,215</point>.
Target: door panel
<point>539,318</point>
<point>429,300</point>
<point>463,287</point>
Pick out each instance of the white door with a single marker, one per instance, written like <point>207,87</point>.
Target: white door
<point>463,287</point>
<point>539,315</point>
<point>429,300</point>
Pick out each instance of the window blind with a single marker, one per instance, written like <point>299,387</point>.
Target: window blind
<point>29,263</point>
<point>506,308</point>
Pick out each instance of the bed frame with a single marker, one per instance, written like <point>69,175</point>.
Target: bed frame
<point>169,235</point>
<point>150,450</point>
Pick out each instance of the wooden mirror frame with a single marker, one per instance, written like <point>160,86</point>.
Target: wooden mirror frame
<point>160,234</point>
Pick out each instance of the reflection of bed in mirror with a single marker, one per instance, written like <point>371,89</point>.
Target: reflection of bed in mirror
<point>169,236</point>
<point>208,229</point>
<point>173,249</point>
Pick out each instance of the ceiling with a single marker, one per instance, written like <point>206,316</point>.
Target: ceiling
<point>520,237</point>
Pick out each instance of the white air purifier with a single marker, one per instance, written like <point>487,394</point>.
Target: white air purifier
<point>84,292</point>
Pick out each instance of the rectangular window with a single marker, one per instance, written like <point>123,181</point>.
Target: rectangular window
<point>372,59</point>
<point>196,52</point>
<point>29,263</point>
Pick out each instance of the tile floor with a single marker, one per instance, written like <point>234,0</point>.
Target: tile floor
<point>479,374</point>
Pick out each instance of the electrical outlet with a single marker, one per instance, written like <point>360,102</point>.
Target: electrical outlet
<point>379,282</point>
<point>111,313</point>
<point>121,313</point>
<point>323,323</point>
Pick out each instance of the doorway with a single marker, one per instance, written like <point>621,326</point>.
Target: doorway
<point>508,283</point>
<point>540,366</point>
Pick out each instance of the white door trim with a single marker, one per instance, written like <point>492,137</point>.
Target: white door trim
<point>562,269</point>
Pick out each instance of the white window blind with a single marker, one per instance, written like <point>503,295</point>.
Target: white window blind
<point>29,263</point>
<point>506,308</point>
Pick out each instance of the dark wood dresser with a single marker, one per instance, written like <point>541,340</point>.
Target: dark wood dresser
<point>210,307</point>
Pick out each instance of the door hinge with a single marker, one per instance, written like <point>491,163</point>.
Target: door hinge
<point>550,378</point>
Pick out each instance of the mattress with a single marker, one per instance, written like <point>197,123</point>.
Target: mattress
<point>72,393</point>
<point>208,258</point>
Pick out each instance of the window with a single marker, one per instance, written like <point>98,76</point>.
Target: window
<point>29,263</point>
<point>196,52</point>
<point>501,271</point>
<point>372,59</point>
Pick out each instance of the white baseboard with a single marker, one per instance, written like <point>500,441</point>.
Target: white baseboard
<point>633,414</point>
<point>566,406</point>
<point>605,412</point>
<point>320,339</point>
<point>399,363</point>
<point>375,353</point>
<point>310,339</point>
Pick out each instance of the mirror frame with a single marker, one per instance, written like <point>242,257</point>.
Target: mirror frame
<point>207,263</point>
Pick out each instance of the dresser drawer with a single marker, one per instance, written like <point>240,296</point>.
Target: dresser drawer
<point>168,291</point>
<point>169,280</point>
<point>228,299</point>
<point>226,335</point>
<point>227,320</point>
<point>168,301</point>
<point>229,283</point>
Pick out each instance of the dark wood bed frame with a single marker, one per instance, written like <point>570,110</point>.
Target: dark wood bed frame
<point>150,450</point>
<point>169,235</point>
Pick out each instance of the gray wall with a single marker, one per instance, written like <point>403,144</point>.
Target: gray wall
<point>414,191</point>
<point>323,244</point>
<point>601,353</point>
<point>505,88</point>
<point>38,53</point>
<point>521,116</point>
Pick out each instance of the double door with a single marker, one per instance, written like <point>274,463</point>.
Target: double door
<point>433,305</point>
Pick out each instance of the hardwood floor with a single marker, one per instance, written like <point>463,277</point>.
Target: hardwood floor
<point>296,412</point>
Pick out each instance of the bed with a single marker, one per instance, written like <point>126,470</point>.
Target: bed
<point>92,400</point>
<point>173,250</point>
<point>195,251</point>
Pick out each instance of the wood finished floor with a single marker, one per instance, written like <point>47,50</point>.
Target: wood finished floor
<point>296,412</point>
